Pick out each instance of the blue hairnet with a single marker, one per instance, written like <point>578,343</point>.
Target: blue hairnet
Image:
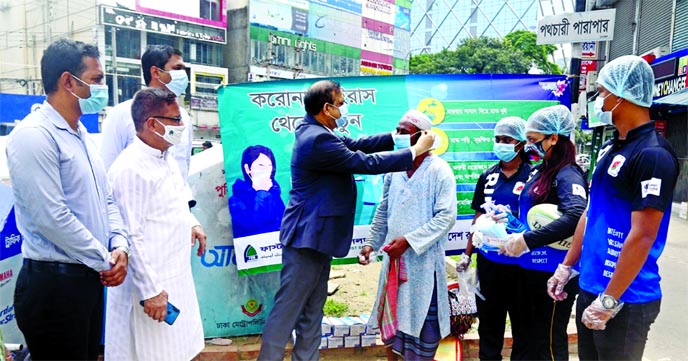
<point>629,77</point>
<point>556,119</point>
<point>514,127</point>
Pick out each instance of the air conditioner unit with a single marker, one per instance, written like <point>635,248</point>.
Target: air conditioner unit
<point>590,80</point>
<point>655,53</point>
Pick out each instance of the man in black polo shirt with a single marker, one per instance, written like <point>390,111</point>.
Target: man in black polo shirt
<point>625,227</point>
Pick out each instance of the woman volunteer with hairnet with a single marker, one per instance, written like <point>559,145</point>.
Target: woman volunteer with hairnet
<point>557,180</point>
<point>501,184</point>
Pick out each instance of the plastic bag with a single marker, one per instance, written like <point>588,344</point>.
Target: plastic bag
<point>492,229</point>
<point>462,307</point>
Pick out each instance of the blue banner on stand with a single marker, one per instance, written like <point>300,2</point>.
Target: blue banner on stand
<point>10,265</point>
<point>14,107</point>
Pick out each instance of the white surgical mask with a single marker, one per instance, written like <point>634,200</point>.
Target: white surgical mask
<point>173,133</point>
<point>179,81</point>
<point>260,175</point>
<point>605,117</point>
<point>344,112</point>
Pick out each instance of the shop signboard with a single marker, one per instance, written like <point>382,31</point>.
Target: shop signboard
<point>576,27</point>
<point>129,19</point>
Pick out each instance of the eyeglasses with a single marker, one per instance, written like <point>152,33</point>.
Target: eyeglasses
<point>176,119</point>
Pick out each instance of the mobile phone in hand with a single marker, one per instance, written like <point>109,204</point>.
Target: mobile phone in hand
<point>172,313</point>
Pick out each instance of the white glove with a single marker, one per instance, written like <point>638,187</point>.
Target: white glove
<point>595,316</point>
<point>463,263</point>
<point>556,283</point>
<point>515,246</point>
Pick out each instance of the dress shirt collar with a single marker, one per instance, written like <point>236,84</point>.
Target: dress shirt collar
<point>58,120</point>
<point>147,149</point>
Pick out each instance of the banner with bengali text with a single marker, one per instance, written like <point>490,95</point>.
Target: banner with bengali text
<point>464,110</point>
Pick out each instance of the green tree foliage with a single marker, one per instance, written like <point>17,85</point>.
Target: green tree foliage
<point>526,42</point>
<point>513,55</point>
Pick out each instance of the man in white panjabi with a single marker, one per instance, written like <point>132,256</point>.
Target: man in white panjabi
<point>148,188</point>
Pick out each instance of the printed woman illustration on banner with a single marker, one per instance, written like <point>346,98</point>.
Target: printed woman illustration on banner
<point>256,205</point>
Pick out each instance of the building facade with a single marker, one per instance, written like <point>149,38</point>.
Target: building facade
<point>222,42</point>
<point>438,24</point>
<point>290,39</point>
<point>122,29</point>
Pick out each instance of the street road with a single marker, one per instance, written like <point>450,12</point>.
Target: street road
<point>668,339</point>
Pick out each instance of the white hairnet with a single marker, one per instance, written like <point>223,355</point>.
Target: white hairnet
<point>629,77</point>
<point>514,127</point>
<point>418,118</point>
<point>556,119</point>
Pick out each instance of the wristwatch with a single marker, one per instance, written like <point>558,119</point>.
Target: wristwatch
<point>608,302</point>
<point>124,249</point>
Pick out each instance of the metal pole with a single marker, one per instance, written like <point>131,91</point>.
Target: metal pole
<point>269,60</point>
<point>115,88</point>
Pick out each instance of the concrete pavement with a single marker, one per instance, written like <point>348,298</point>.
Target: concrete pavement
<point>669,333</point>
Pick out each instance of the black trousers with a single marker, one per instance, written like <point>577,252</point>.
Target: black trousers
<point>542,318</point>
<point>59,309</point>
<point>298,306</point>
<point>625,335</point>
<point>499,284</point>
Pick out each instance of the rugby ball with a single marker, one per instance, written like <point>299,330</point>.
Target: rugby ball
<point>542,215</point>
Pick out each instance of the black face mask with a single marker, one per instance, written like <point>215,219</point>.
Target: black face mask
<point>538,148</point>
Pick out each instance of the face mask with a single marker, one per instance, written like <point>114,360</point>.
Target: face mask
<point>605,117</point>
<point>536,148</point>
<point>179,81</point>
<point>505,152</point>
<point>173,133</point>
<point>343,113</point>
<point>258,176</point>
<point>97,101</point>
<point>402,141</point>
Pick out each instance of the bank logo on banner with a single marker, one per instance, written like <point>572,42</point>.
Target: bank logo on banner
<point>10,237</point>
<point>251,308</point>
<point>250,254</point>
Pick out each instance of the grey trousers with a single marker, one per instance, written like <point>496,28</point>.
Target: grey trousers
<point>298,306</point>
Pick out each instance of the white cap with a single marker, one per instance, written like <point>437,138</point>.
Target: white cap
<point>418,118</point>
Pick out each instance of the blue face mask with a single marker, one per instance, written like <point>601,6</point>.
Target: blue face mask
<point>402,141</point>
<point>343,113</point>
<point>97,101</point>
<point>505,151</point>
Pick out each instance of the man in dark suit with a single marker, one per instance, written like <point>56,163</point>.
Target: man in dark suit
<point>318,221</point>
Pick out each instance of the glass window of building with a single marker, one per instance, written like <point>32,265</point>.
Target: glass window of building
<point>210,9</point>
<point>128,80</point>
<point>158,39</point>
<point>203,53</point>
<point>128,42</point>
<point>207,84</point>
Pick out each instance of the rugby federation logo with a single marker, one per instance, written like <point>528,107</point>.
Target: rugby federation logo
<point>616,165</point>
<point>518,188</point>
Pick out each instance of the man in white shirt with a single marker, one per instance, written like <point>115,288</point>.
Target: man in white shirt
<point>163,67</point>
<point>148,188</point>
